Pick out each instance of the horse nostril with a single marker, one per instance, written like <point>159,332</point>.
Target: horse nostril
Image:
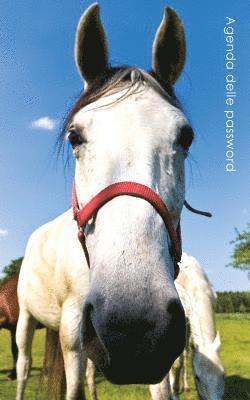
<point>88,325</point>
<point>174,307</point>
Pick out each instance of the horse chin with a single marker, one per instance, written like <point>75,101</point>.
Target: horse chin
<point>124,372</point>
<point>128,350</point>
<point>121,369</point>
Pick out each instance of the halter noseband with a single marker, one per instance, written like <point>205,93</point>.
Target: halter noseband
<point>83,215</point>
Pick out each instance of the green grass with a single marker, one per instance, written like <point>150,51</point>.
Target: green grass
<point>235,353</point>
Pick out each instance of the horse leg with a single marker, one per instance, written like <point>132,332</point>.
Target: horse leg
<point>161,391</point>
<point>90,376</point>
<point>175,377</point>
<point>177,386</point>
<point>24,335</point>
<point>185,370</point>
<point>185,358</point>
<point>14,351</point>
<point>72,350</point>
<point>174,395</point>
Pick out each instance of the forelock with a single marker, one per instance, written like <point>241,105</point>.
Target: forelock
<point>114,80</point>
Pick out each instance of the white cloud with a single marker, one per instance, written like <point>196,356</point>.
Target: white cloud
<point>3,232</point>
<point>45,123</point>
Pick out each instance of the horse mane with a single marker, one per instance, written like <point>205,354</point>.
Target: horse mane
<point>117,78</point>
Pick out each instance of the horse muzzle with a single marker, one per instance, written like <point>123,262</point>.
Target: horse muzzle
<point>129,348</point>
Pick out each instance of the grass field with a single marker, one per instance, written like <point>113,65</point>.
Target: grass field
<point>235,353</point>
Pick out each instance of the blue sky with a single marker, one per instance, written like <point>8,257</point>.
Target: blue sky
<point>38,79</point>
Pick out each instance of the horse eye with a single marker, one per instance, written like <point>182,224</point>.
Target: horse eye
<point>75,138</point>
<point>186,137</point>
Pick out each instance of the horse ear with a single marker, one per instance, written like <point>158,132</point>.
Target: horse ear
<point>169,48</point>
<point>216,343</point>
<point>91,50</point>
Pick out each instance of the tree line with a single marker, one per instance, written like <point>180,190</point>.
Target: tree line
<point>233,302</point>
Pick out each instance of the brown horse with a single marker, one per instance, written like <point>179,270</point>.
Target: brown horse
<point>9,312</point>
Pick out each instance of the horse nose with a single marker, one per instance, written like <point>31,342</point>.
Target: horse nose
<point>132,346</point>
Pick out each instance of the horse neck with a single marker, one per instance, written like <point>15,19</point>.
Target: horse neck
<point>200,308</point>
<point>202,320</point>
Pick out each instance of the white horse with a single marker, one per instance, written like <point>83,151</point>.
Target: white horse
<point>124,312</point>
<point>205,341</point>
<point>198,299</point>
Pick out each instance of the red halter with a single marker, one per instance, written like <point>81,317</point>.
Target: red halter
<point>83,215</point>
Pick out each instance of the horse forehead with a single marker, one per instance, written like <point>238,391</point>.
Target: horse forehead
<point>143,106</point>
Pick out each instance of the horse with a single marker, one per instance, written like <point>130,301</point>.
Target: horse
<point>101,277</point>
<point>9,311</point>
<point>205,341</point>
<point>198,299</point>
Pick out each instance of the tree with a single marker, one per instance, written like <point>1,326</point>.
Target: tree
<point>242,308</point>
<point>241,253</point>
<point>228,302</point>
<point>11,269</point>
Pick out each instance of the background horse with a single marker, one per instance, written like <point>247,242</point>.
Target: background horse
<point>205,341</point>
<point>124,313</point>
<point>9,311</point>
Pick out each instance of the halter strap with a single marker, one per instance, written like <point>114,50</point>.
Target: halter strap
<point>83,215</point>
<point>195,211</point>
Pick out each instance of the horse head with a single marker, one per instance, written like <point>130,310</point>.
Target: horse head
<point>208,371</point>
<point>127,125</point>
